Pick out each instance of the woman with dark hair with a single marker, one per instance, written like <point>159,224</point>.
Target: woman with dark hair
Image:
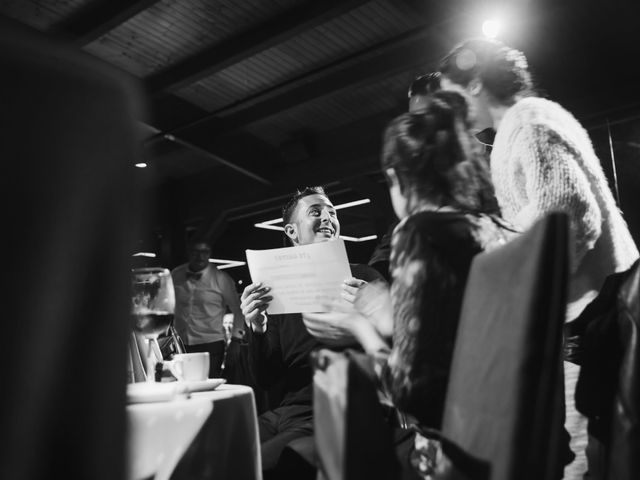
<point>439,186</point>
<point>542,161</point>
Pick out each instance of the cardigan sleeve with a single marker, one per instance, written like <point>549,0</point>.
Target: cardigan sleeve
<point>555,181</point>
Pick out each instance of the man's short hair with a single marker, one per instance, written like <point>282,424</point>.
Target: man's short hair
<point>290,206</point>
<point>424,84</point>
<point>292,203</point>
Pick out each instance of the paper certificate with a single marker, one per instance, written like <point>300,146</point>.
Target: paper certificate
<point>299,275</point>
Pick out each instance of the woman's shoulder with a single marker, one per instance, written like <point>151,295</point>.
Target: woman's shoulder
<point>543,119</point>
<point>434,219</point>
<point>539,112</point>
<point>438,227</point>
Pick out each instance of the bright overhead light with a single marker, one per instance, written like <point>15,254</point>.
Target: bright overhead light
<point>267,223</point>
<point>358,239</point>
<point>352,204</point>
<point>266,226</point>
<point>141,165</point>
<point>144,254</point>
<point>271,224</point>
<point>222,264</point>
<point>491,28</point>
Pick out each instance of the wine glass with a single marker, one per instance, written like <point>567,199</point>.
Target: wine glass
<point>152,307</point>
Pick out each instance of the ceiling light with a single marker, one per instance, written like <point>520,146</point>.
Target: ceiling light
<point>337,207</point>
<point>352,204</point>
<point>491,28</point>
<point>141,165</point>
<point>144,254</point>
<point>222,264</point>
<point>266,226</point>
<point>358,239</point>
<point>271,224</point>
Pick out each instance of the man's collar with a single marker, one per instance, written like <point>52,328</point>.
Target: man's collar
<point>197,271</point>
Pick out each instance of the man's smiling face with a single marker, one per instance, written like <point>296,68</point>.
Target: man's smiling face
<point>314,220</point>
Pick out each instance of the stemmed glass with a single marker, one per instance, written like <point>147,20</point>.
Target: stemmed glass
<point>152,307</point>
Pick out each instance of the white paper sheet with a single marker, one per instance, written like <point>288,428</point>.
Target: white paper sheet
<point>298,276</point>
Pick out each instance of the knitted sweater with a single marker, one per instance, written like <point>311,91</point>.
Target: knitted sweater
<point>543,161</point>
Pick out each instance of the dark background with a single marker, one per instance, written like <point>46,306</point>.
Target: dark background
<point>249,100</point>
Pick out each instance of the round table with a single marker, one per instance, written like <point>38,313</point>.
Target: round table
<point>208,435</point>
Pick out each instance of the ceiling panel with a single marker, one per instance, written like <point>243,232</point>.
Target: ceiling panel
<point>170,31</point>
<point>370,24</point>
<point>43,15</point>
<point>340,108</point>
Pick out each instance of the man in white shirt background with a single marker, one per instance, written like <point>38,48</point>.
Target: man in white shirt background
<point>204,295</point>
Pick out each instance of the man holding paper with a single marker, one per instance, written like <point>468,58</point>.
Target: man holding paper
<point>280,343</point>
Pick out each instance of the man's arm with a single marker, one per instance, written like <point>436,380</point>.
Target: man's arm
<point>263,333</point>
<point>265,353</point>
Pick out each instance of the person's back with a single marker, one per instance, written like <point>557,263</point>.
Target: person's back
<point>439,187</point>
<point>603,244</point>
<point>430,261</point>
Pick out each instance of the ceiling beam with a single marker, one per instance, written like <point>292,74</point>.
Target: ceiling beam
<point>293,22</point>
<point>94,21</point>
<point>385,59</point>
<point>217,158</point>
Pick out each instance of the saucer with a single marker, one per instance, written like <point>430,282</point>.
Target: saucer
<point>190,386</point>
<point>144,392</point>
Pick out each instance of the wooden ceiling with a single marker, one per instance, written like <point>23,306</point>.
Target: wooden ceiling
<point>250,99</point>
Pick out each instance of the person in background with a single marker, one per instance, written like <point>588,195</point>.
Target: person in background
<point>542,161</point>
<point>280,345</point>
<point>203,295</point>
<point>421,89</point>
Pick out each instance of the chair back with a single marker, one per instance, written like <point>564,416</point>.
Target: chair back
<point>504,409</point>
<point>67,147</point>
<point>608,389</point>
<point>353,438</point>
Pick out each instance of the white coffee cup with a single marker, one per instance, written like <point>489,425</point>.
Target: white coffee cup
<point>189,367</point>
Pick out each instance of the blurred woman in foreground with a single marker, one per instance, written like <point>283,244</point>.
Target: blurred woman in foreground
<point>440,190</point>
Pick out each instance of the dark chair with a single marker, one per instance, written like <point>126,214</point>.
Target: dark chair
<point>608,389</point>
<point>68,198</point>
<point>504,410</point>
<point>353,437</point>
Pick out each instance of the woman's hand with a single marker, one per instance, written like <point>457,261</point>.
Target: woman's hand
<point>336,324</point>
<point>332,328</point>
<point>373,301</point>
<point>253,302</point>
<point>342,326</point>
<point>350,288</point>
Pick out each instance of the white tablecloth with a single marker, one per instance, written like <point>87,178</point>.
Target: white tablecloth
<point>210,435</point>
